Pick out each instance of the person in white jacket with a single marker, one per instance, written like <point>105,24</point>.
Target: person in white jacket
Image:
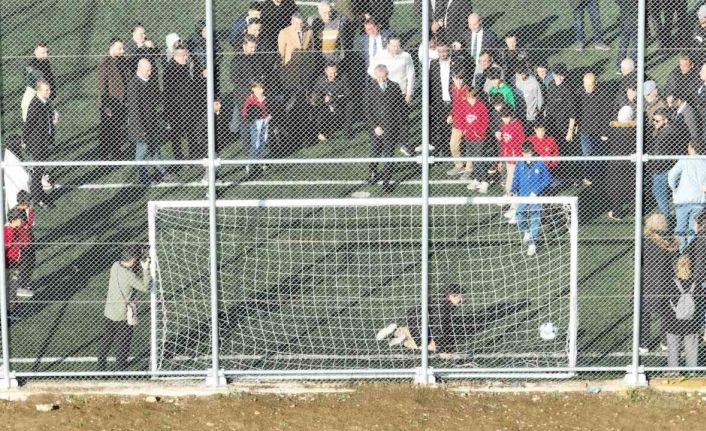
<point>16,178</point>
<point>687,179</point>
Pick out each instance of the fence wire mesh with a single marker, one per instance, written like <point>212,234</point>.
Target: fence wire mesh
<point>105,109</point>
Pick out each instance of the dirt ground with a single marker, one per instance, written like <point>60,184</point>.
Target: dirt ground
<point>369,407</point>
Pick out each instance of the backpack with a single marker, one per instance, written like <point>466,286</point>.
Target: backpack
<point>685,307</point>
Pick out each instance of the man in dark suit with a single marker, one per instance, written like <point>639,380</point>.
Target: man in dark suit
<point>478,39</point>
<point>144,123</point>
<point>456,18</point>
<point>140,46</point>
<point>372,41</point>
<point>385,102</point>
<point>38,134</point>
<point>440,72</point>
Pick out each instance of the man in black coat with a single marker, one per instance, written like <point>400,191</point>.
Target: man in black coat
<point>39,131</point>
<point>144,122</point>
<point>330,102</point>
<point>592,118</point>
<point>179,88</point>
<point>246,67</point>
<point>140,47</point>
<point>274,15</point>
<point>478,39</point>
<point>384,102</point>
<point>441,71</point>
<point>683,79</point>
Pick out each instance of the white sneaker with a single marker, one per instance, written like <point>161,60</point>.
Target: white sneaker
<point>396,341</point>
<point>526,238</point>
<point>24,293</point>
<point>512,220</point>
<point>509,213</point>
<point>418,148</point>
<point>643,350</point>
<point>47,184</point>
<point>473,185</point>
<point>531,250</point>
<point>454,171</point>
<point>386,331</point>
<point>483,187</point>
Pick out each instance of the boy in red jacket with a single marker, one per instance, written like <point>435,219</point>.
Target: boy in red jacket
<point>25,233</point>
<point>545,146</point>
<point>511,137</point>
<point>254,112</point>
<point>458,97</point>
<point>13,250</point>
<point>475,127</point>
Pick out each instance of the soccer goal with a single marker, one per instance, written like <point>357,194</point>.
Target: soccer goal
<point>312,286</point>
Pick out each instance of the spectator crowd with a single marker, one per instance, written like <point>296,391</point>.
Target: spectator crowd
<point>299,81</point>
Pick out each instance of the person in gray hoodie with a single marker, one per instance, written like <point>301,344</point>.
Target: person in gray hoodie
<point>531,91</point>
<point>121,286</point>
<point>687,179</point>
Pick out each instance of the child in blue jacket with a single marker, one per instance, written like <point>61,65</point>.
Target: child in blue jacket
<point>531,179</point>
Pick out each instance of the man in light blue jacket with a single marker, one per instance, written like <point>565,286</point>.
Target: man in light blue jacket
<point>687,179</point>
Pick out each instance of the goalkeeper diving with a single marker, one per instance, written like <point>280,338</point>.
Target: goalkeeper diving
<point>447,327</point>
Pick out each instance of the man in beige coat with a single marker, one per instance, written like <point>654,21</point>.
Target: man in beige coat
<point>293,38</point>
<point>121,286</point>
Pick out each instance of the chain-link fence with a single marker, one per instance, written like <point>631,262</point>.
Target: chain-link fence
<point>323,190</point>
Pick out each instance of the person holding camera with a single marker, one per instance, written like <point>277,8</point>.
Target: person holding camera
<point>120,308</point>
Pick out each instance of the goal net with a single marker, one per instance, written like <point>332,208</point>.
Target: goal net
<point>337,284</point>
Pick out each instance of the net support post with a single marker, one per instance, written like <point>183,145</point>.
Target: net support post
<point>152,227</point>
<point>215,381</point>
<point>216,378</point>
<point>635,375</point>
<point>422,376</point>
<point>6,378</point>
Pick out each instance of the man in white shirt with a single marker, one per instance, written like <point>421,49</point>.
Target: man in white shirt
<point>440,71</point>
<point>400,68</point>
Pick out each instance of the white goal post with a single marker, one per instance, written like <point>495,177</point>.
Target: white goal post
<point>304,285</point>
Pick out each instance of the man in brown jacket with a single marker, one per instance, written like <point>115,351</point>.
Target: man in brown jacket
<point>293,38</point>
<point>112,73</point>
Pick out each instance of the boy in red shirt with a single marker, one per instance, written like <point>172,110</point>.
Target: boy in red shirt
<point>511,136</point>
<point>254,112</point>
<point>475,126</point>
<point>545,146</point>
<point>13,250</point>
<point>28,252</point>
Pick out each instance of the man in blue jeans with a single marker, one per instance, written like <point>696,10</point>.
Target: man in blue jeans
<point>531,178</point>
<point>687,179</point>
<point>662,143</point>
<point>144,122</point>
<point>579,6</point>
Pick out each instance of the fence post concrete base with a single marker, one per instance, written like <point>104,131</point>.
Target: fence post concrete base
<point>217,380</point>
<point>424,376</point>
<point>637,380</point>
<point>9,383</point>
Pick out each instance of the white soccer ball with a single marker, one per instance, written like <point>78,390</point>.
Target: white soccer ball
<point>547,331</point>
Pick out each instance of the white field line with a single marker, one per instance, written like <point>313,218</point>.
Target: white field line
<point>246,183</point>
<point>286,357</point>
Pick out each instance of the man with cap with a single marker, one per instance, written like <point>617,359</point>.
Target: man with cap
<point>559,109</point>
<point>652,100</point>
<point>699,38</point>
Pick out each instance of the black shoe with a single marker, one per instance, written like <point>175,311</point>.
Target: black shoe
<point>372,179</point>
<point>388,186</point>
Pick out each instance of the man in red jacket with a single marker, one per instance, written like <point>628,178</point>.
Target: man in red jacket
<point>13,250</point>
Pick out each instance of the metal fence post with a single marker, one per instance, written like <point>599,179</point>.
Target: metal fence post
<point>216,377</point>
<point>7,380</point>
<point>635,376</point>
<point>424,374</point>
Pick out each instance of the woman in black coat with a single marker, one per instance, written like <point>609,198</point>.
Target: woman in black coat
<point>659,253</point>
